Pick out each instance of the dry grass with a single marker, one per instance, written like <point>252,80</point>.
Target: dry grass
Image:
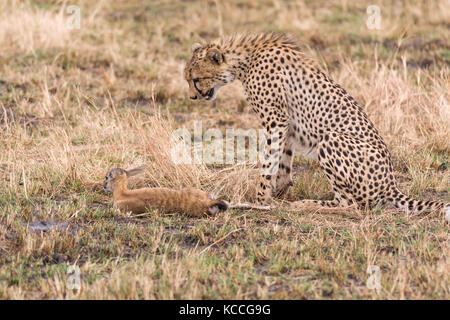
<point>74,103</point>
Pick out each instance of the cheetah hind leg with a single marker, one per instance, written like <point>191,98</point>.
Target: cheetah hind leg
<point>339,201</point>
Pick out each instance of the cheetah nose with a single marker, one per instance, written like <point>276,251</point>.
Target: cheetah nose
<point>193,97</point>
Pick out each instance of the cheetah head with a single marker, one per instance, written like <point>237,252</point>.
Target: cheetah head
<point>206,72</point>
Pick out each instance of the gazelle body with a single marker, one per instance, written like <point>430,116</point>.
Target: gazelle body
<point>193,202</point>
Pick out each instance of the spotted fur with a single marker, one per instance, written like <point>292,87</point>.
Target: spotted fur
<point>302,110</point>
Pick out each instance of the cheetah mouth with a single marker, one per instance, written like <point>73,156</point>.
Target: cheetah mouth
<point>210,94</point>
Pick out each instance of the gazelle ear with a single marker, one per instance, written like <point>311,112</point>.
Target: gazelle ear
<point>196,46</point>
<point>135,171</point>
<point>215,55</point>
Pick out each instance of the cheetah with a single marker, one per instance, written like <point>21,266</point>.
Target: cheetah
<point>302,110</point>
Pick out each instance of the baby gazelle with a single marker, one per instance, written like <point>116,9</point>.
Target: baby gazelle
<point>191,201</point>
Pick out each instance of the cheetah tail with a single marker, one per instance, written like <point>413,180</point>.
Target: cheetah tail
<point>410,205</point>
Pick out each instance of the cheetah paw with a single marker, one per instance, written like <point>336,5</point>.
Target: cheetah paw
<point>281,191</point>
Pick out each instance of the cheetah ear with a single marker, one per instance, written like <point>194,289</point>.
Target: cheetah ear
<point>215,55</point>
<point>196,46</point>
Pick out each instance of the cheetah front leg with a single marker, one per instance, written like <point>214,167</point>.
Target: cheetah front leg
<point>284,176</point>
<point>276,138</point>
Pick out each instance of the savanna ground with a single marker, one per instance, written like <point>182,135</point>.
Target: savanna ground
<point>76,102</point>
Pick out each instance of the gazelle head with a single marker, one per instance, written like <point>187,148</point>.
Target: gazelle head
<point>116,174</point>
